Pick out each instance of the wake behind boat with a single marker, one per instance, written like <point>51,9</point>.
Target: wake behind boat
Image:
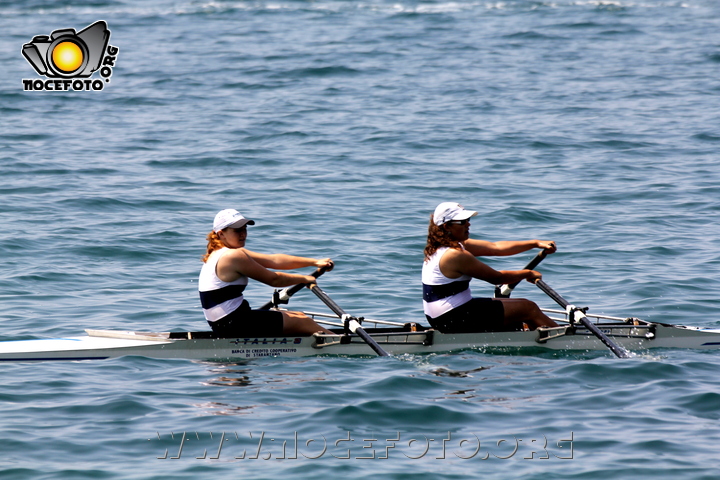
<point>631,333</point>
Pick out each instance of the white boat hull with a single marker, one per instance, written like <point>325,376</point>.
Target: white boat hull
<point>102,344</point>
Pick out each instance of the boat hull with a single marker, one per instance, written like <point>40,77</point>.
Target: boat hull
<point>103,344</point>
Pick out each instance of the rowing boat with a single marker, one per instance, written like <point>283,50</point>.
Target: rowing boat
<point>577,331</point>
<point>630,333</point>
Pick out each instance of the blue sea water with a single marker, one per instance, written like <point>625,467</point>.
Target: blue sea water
<point>338,126</point>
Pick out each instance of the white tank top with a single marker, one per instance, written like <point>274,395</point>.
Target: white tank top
<point>219,298</point>
<point>440,293</point>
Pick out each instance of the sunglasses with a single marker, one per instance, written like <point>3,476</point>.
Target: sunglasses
<point>459,222</point>
<point>239,230</point>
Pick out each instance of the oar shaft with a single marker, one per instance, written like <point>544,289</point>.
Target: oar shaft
<point>290,291</point>
<point>327,300</point>
<point>580,316</point>
<point>371,343</point>
<point>552,293</point>
<point>504,291</point>
<point>354,325</point>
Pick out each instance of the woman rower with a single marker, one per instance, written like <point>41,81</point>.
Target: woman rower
<point>449,266</point>
<point>225,273</point>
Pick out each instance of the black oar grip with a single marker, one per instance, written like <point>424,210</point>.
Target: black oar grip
<point>504,291</point>
<point>536,261</point>
<point>296,288</point>
<point>290,291</point>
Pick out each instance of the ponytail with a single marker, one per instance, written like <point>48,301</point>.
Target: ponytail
<point>214,243</point>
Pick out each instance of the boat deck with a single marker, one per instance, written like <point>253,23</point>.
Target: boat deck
<point>409,339</point>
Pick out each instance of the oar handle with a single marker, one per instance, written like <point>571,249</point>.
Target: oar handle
<point>504,291</point>
<point>296,288</point>
<point>352,322</point>
<point>284,296</point>
<point>580,316</point>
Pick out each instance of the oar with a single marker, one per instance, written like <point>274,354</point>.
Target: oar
<point>578,315</point>
<point>504,291</point>
<point>284,296</point>
<point>352,322</point>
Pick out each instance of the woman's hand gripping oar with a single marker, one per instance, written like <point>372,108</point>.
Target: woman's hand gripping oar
<point>284,296</point>
<point>504,291</point>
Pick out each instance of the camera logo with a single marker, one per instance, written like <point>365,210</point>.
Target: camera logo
<point>68,57</point>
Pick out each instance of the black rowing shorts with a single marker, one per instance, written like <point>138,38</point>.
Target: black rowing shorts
<point>477,315</point>
<point>245,322</point>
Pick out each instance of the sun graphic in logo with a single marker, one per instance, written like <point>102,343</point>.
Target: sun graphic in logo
<point>67,56</point>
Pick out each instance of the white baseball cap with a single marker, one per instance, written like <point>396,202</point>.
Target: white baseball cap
<point>448,211</point>
<point>230,218</point>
